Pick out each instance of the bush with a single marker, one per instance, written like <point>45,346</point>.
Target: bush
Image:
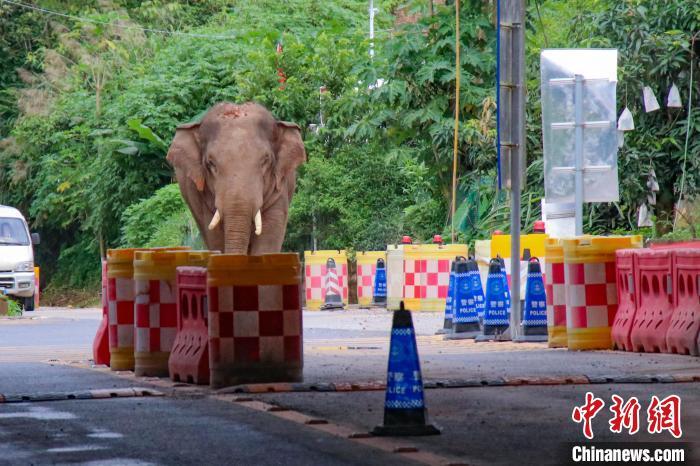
<point>161,220</point>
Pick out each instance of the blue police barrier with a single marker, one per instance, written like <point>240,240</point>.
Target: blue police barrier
<point>404,404</point>
<point>497,311</point>
<point>379,289</point>
<point>477,289</point>
<point>505,280</point>
<point>535,310</point>
<point>465,322</point>
<point>449,300</point>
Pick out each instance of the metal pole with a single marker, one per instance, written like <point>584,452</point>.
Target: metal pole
<point>371,28</point>
<point>578,163</point>
<point>455,142</point>
<point>515,15</point>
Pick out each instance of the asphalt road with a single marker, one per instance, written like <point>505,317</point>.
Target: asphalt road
<point>49,352</point>
<point>165,431</point>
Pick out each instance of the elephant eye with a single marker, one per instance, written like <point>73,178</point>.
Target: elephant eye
<point>211,166</point>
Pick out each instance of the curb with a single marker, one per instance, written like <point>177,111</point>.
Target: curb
<point>81,395</point>
<point>462,383</point>
<point>402,448</point>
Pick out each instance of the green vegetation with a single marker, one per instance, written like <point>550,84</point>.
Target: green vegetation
<point>88,109</point>
<point>14,309</point>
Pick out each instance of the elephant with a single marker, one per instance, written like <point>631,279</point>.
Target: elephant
<point>236,169</point>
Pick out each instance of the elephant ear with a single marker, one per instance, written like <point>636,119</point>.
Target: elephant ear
<point>184,154</point>
<point>290,153</point>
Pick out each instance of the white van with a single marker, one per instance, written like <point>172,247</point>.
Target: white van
<point>17,257</point>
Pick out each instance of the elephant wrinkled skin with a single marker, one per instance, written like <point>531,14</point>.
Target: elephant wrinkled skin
<point>237,172</point>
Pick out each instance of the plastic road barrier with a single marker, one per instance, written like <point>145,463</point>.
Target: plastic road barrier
<point>120,296</point>
<point>465,317</point>
<point>366,270</point>
<point>591,288</point>
<point>100,344</point>
<point>500,245</point>
<point>37,287</point>
<point>653,316</point>
<point>627,298</point>
<point>497,311</point>
<point>555,289</point>
<point>156,306</point>
<point>684,330</point>
<point>535,243</point>
<point>315,275</point>
<point>189,358</point>
<point>394,276</point>
<point>449,301</point>
<point>427,274</point>
<point>535,311</point>
<point>255,319</point>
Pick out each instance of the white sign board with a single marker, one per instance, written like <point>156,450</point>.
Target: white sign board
<point>579,124</point>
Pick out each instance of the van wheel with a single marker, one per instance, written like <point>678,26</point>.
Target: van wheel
<point>29,303</point>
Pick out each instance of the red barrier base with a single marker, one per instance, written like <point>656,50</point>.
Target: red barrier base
<point>189,358</point>
<point>684,329</point>
<point>625,264</point>
<point>100,345</point>
<point>653,316</point>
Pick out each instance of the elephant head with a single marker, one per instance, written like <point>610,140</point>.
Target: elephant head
<point>237,172</point>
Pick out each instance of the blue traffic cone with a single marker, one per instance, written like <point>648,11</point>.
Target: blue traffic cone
<point>535,310</point>
<point>505,280</point>
<point>449,300</point>
<point>404,405</point>
<point>379,291</point>
<point>497,312</point>
<point>465,322</point>
<point>477,289</point>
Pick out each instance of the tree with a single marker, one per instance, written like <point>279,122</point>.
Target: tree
<point>654,39</point>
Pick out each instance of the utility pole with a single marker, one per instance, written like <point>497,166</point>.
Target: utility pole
<point>512,131</point>
<point>372,11</point>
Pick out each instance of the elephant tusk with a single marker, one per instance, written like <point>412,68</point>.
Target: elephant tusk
<point>215,220</point>
<point>258,223</point>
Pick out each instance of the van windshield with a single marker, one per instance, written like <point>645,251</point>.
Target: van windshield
<point>13,232</point>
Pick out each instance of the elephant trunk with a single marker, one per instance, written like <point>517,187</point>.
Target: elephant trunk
<point>237,227</point>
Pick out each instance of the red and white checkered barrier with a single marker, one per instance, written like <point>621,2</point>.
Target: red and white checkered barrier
<point>156,325</point>
<point>437,278</point>
<point>365,283</point>
<point>555,288</point>
<point>591,295</point>
<point>315,276</point>
<point>120,296</point>
<point>414,278</point>
<point>255,333</point>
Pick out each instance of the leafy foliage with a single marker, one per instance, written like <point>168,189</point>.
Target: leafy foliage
<point>89,118</point>
<point>654,40</point>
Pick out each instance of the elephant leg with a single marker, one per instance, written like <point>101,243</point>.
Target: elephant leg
<point>274,226</point>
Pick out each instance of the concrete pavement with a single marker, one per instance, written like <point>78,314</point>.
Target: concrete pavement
<point>50,352</point>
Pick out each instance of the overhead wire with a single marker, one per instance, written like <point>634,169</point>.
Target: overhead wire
<point>117,25</point>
